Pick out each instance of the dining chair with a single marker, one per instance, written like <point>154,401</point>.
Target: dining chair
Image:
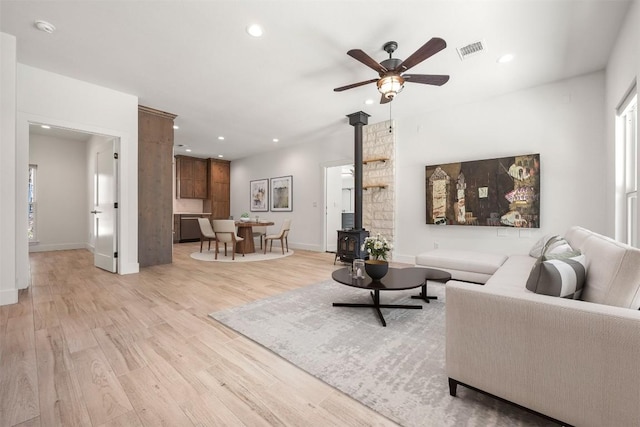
<point>259,231</point>
<point>282,236</point>
<point>225,231</point>
<point>206,232</point>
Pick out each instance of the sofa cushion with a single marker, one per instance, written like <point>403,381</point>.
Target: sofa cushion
<point>576,236</point>
<point>478,262</point>
<point>513,274</point>
<point>561,275</point>
<point>463,265</point>
<point>613,269</point>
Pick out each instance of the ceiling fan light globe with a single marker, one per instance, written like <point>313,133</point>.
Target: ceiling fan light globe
<point>390,86</point>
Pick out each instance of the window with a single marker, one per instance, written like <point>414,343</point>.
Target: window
<point>627,129</point>
<point>32,203</point>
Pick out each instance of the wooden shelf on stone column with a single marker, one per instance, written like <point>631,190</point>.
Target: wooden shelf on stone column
<point>373,186</point>
<point>378,159</point>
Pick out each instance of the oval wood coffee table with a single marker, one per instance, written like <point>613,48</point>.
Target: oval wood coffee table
<point>397,279</point>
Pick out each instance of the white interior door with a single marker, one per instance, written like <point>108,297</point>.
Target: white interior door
<point>104,212</point>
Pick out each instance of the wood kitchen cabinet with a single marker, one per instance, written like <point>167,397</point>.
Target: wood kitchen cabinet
<point>191,178</point>
<point>219,200</point>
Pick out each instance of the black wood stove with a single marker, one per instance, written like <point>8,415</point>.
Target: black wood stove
<point>350,245</point>
<point>350,241</point>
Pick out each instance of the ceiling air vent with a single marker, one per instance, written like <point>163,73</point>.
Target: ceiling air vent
<point>471,49</point>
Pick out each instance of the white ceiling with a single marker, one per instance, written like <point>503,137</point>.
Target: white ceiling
<point>194,58</point>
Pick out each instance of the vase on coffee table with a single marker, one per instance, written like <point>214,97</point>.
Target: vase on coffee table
<point>376,268</point>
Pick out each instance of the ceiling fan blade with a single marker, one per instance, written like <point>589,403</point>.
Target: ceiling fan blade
<point>359,55</point>
<point>428,49</point>
<point>351,86</point>
<point>427,79</point>
<point>384,100</point>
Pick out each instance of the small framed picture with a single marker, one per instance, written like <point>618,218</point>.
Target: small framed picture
<point>282,194</point>
<point>259,194</point>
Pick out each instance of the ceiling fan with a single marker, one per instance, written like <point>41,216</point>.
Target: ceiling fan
<point>391,80</point>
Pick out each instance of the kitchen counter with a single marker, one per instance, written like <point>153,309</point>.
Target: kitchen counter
<point>192,213</point>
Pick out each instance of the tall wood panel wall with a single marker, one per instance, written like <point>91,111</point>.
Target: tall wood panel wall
<point>219,200</point>
<point>155,186</point>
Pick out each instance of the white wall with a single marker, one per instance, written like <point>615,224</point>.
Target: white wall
<point>306,164</point>
<point>623,69</point>
<point>563,121</point>
<point>8,287</point>
<point>61,193</point>
<point>45,97</point>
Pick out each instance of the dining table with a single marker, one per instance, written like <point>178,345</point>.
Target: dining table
<point>245,230</point>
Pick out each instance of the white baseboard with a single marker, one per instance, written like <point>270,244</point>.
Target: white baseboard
<point>9,296</point>
<point>129,268</point>
<point>302,246</point>
<point>405,259</point>
<point>56,247</point>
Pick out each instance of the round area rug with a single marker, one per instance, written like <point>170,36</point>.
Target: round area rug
<point>257,256</point>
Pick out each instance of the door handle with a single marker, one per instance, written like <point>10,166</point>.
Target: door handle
<point>96,212</point>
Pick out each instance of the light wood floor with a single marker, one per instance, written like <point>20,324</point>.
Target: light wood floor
<point>90,348</point>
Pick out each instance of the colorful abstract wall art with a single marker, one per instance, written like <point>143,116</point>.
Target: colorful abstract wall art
<point>503,192</point>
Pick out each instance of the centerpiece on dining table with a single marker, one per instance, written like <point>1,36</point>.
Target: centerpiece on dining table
<point>377,247</point>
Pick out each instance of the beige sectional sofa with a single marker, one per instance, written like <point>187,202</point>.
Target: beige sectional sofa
<point>577,361</point>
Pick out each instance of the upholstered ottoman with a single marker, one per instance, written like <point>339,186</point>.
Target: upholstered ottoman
<point>466,266</point>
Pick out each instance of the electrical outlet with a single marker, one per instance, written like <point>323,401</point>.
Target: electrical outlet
<point>524,233</point>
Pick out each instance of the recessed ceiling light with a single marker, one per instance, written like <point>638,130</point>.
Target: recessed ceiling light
<point>369,101</point>
<point>506,58</point>
<point>255,30</point>
<point>220,156</point>
<point>188,150</point>
<point>45,26</point>
<point>45,126</point>
<point>275,140</point>
<point>176,127</point>
<point>221,138</point>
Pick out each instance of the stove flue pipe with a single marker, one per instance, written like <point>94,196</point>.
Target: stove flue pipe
<point>357,120</point>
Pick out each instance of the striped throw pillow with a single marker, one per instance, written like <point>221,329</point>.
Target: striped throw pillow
<point>561,275</point>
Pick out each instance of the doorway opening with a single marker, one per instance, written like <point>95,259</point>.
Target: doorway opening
<point>76,192</point>
<point>339,202</point>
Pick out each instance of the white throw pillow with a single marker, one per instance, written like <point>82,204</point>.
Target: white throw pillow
<point>557,246</point>
<point>539,246</point>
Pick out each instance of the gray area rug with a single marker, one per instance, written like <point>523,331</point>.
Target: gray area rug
<point>398,371</point>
